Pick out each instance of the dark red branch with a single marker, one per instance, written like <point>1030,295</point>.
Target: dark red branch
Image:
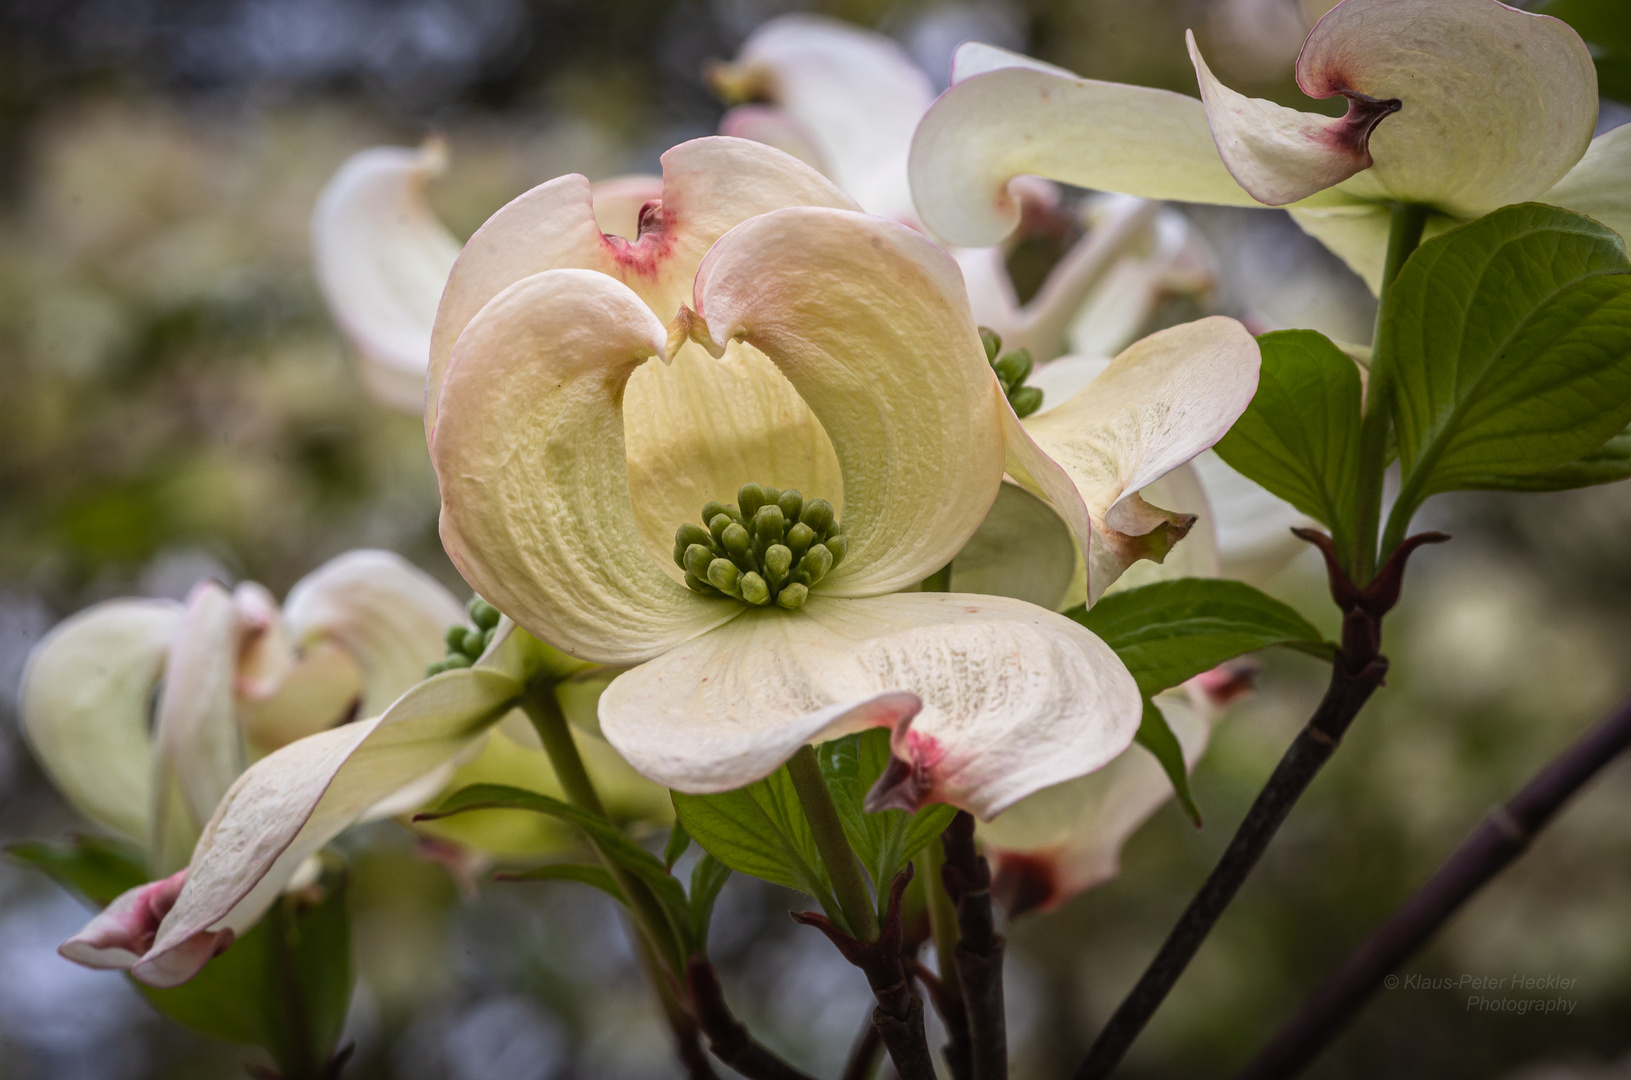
<point>1356,672</point>
<point>727,1037</point>
<point>967,877</point>
<point>1504,835</point>
<point>899,1015</point>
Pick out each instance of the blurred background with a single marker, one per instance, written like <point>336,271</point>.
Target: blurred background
<point>175,403</point>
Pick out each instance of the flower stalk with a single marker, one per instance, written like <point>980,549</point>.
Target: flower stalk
<point>1404,235</point>
<point>977,958</point>
<point>848,882</point>
<point>943,928</point>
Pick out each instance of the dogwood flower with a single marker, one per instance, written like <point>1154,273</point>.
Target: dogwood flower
<point>227,677</point>
<point>777,620</point>
<point>288,805</point>
<point>1462,106</point>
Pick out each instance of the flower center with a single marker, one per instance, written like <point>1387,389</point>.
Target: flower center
<point>771,547</point>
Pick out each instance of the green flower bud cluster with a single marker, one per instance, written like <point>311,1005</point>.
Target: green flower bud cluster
<point>1012,370</point>
<point>465,645</point>
<point>771,547</point>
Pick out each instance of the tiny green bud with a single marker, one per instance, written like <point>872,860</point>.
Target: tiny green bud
<point>754,589</point>
<point>773,494</point>
<point>696,584</point>
<point>1025,400</point>
<point>769,524</point>
<point>472,644</point>
<point>483,614</point>
<point>799,539</point>
<point>689,534</point>
<point>736,541</point>
<point>1013,368</point>
<point>792,596</point>
<point>992,342</point>
<point>818,514</point>
<point>778,563</point>
<point>711,510</point>
<point>816,562</point>
<point>718,524</point>
<point>487,637</point>
<point>456,660</point>
<point>792,503</point>
<point>432,670</point>
<point>697,559</point>
<point>455,637</point>
<point>837,546</point>
<point>724,576</point>
<point>750,497</point>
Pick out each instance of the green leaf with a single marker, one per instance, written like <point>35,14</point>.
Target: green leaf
<point>245,995</point>
<point>886,841</point>
<point>96,868</point>
<point>1155,736</point>
<point>707,878</point>
<point>608,838</point>
<point>1509,346</point>
<point>583,874</point>
<point>678,841</point>
<point>1605,465</point>
<point>1172,631</point>
<point>1299,437</point>
<point>760,830</point>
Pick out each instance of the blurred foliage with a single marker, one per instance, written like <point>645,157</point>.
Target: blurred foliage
<point>174,402</point>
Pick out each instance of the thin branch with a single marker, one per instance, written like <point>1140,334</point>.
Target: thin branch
<point>1504,835</point>
<point>727,1037</point>
<point>866,1053</point>
<point>1356,672</point>
<point>967,878</point>
<point>899,1015</point>
<point>946,992</point>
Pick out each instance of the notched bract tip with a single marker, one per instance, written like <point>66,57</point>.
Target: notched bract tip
<point>687,325</point>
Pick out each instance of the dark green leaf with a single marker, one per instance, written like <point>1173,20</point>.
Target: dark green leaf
<point>596,876</point>
<point>886,841</point>
<point>707,878</point>
<point>96,868</point>
<point>1299,438</point>
<point>608,838</point>
<point>1509,344</point>
<point>760,830</point>
<point>678,841</point>
<point>1172,631</point>
<point>1155,736</point>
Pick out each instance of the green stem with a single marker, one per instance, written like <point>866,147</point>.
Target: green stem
<point>1404,234</point>
<point>942,920</point>
<point>542,708</point>
<point>297,1057</point>
<point>848,882</point>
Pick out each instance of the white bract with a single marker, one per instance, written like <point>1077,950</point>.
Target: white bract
<point>144,713</point>
<point>847,100</point>
<point>1067,839</point>
<point>382,258</point>
<point>1462,106</point>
